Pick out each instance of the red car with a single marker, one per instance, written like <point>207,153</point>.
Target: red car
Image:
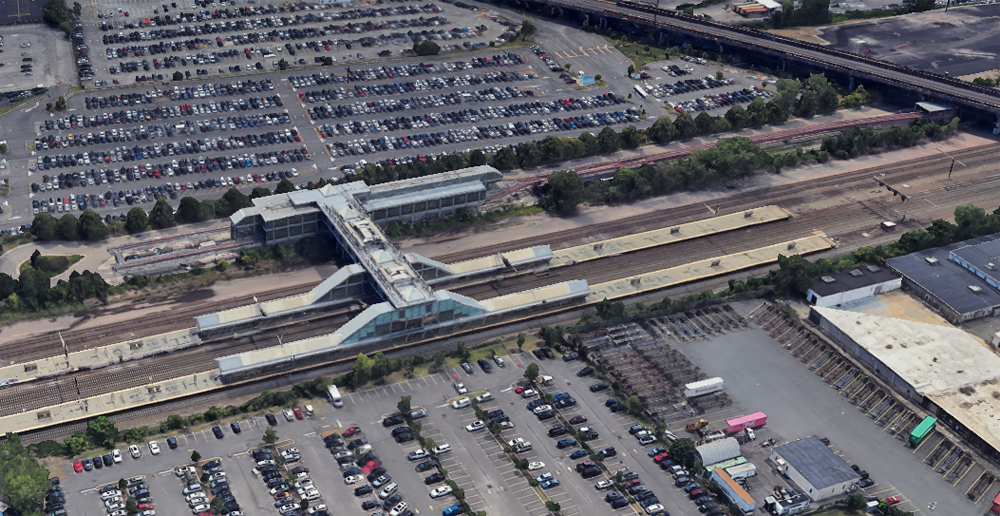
<point>78,467</point>
<point>576,420</point>
<point>145,506</point>
<point>661,457</point>
<point>892,500</point>
<point>632,483</point>
<point>351,431</point>
<point>298,412</point>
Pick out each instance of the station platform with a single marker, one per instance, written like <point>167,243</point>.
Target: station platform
<point>112,402</point>
<point>102,356</point>
<point>669,235</point>
<point>704,269</point>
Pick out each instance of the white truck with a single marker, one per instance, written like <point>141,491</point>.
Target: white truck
<point>744,470</point>
<point>703,387</point>
<point>334,395</point>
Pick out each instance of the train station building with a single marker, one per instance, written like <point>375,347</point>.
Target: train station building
<point>946,371</point>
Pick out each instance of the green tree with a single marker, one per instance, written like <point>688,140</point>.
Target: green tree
<point>439,358</point>
<point>189,210</point>
<point>136,220</point>
<point>24,480</point>
<point>3,148</point>
<point>77,444</point>
<point>684,126</point>
<point>531,372</point>
<point>234,201</point>
<point>217,505</point>
<point>631,137</point>
<point>634,405</point>
<point>327,61</point>
<point>175,422</point>
<point>304,504</point>
<point>662,130</point>
<point>68,227</point>
<point>178,76</point>
<point>91,226</point>
<point>461,351</point>
<point>362,370</point>
<point>855,502</point>
<point>505,159</point>
<point>44,227</point>
<point>102,432</point>
<point>162,215</point>
<point>34,259</point>
<point>704,123</point>
<point>527,29</point>
<point>270,436</point>
<point>221,265</point>
<point>567,191</point>
<point>284,186</point>
<point>520,341</point>
<point>608,140</point>
<point>426,48</point>
<point>260,191</point>
<point>631,70</point>
<point>682,451</point>
<point>122,484</point>
<point>131,506</point>
<point>476,158</point>
<point>719,75</point>
<point>196,457</point>
<point>404,405</point>
<point>282,64</point>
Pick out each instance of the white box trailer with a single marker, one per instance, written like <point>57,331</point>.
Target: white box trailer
<point>703,387</point>
<point>334,395</point>
<point>744,470</point>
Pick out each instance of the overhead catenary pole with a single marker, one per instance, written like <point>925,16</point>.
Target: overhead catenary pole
<point>953,161</point>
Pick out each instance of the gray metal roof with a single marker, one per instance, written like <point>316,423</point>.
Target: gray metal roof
<point>983,257</point>
<point>816,462</point>
<point>947,280</point>
<point>718,451</point>
<point>850,279</point>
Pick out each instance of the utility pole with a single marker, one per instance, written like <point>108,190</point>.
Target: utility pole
<point>953,161</point>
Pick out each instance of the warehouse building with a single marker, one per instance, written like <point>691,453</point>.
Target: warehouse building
<point>718,451</point>
<point>958,280</point>
<point>852,285</point>
<point>734,491</point>
<point>944,370</point>
<point>813,466</point>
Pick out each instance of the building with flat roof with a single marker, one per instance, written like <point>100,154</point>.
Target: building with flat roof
<point>852,285</point>
<point>733,490</point>
<point>813,466</point>
<point>945,370</point>
<point>956,279</point>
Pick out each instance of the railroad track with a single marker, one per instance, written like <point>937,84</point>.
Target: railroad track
<point>788,194</point>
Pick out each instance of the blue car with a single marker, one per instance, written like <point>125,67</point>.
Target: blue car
<point>549,483</point>
<point>578,454</point>
<point>565,443</point>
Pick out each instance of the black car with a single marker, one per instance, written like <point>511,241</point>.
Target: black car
<point>363,490</point>
<point>485,366</point>
<point>98,463</point>
<point>547,414</point>
<point>404,438</point>
<point>631,475</point>
<point>172,442</point>
<point>609,451</point>
<point>333,438</point>
<point>351,472</point>
<point>368,505</point>
<point>586,371</point>
<point>357,442</point>
<point>598,386</point>
<point>539,354</point>
<point>271,420</point>
<point>636,490</point>
<point>556,431</point>
<point>108,461</point>
<point>644,495</point>
<point>236,427</point>
<point>393,500</point>
<point>392,421</point>
<point>400,431</point>
<point>218,432</point>
<point>211,464</point>
<point>426,465</point>
<point>612,496</point>
<point>535,404</point>
<point>375,473</point>
<point>570,356</point>
<point>434,479</point>
<point>707,507</point>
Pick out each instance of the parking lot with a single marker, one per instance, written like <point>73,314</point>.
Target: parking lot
<point>33,57</point>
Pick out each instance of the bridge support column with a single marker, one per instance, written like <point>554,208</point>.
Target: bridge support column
<point>783,64</point>
<point>996,127</point>
<point>850,84</point>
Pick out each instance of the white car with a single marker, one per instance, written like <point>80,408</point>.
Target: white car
<point>266,463</point>
<point>286,508</point>
<point>460,387</point>
<point>475,426</point>
<point>604,484</point>
<point>528,393</point>
<point>111,494</point>
<point>216,476</point>
<point>442,448</point>
<point>280,489</point>
<point>118,513</point>
<point>185,469</point>
<point>461,403</point>
<point>305,482</point>
<point>486,396</point>
<point>116,456</point>
<point>542,408</point>
<point>320,507</point>
<point>440,491</point>
<point>498,360</point>
<point>514,442</point>
<point>532,466</point>
<point>114,506</point>
<point>653,509</point>
<point>506,425</point>
<point>398,509</point>
<point>195,496</point>
<point>135,451</point>
<point>387,492</point>
<point>198,501</point>
<point>311,495</point>
<point>154,448</point>
<point>353,479</point>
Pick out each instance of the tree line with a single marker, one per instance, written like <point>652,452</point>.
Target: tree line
<point>730,159</point>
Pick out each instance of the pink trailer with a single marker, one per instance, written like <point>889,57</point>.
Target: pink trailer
<point>755,420</point>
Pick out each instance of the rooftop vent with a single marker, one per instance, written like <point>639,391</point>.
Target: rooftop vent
<point>873,269</point>
<point>931,260</point>
<point>856,273</point>
<point>827,279</point>
<point>974,289</point>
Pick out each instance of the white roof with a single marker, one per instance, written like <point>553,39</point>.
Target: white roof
<point>718,451</point>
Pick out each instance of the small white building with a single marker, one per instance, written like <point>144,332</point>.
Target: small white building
<point>851,285</point>
<point>812,465</point>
